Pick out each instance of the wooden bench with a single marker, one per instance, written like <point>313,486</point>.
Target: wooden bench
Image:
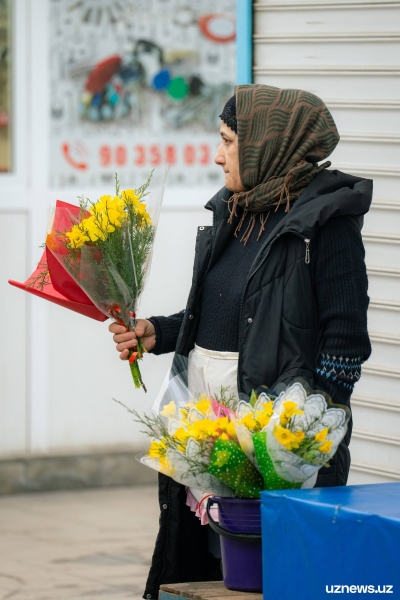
<point>206,590</point>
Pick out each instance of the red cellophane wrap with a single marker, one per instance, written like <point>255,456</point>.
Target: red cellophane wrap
<point>60,287</point>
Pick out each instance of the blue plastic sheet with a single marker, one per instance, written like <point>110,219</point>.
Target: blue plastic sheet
<point>324,541</point>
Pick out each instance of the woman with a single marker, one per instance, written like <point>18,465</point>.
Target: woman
<point>279,286</point>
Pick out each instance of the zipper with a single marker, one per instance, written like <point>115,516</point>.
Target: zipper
<point>241,313</point>
<point>207,260</point>
<point>208,256</point>
<point>209,252</point>
<point>307,258</point>
<point>307,242</point>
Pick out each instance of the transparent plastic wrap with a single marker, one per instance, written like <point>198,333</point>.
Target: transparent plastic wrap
<point>106,248</point>
<point>190,430</point>
<point>230,446</point>
<point>301,433</point>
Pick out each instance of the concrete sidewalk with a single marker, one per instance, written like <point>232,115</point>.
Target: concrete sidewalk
<point>78,545</point>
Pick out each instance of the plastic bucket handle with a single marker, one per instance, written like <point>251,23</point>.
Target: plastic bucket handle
<point>243,536</point>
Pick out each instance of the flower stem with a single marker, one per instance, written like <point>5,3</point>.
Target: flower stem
<point>134,365</point>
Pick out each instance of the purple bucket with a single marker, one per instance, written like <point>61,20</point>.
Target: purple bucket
<point>240,530</point>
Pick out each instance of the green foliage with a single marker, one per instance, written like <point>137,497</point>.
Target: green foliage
<point>112,270</point>
<point>226,399</point>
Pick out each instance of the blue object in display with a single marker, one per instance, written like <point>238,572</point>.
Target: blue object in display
<point>162,80</point>
<point>129,73</point>
<point>97,98</point>
<point>321,541</point>
<point>112,95</point>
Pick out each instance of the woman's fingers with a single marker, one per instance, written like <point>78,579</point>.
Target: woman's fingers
<point>140,328</point>
<point>116,328</point>
<point>126,340</point>
<point>130,343</point>
<point>124,354</point>
<point>124,337</point>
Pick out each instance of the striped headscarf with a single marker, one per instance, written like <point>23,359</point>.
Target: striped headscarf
<point>282,134</point>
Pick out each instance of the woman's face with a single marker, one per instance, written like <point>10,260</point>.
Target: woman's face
<point>227,157</point>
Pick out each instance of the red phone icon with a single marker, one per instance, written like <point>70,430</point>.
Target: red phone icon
<point>66,150</point>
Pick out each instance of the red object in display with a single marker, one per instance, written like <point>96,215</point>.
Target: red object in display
<point>4,120</point>
<point>102,74</point>
<point>205,25</point>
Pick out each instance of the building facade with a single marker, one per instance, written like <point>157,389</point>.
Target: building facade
<point>60,371</point>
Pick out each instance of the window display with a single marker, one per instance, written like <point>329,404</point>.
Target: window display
<point>5,86</point>
<point>138,84</point>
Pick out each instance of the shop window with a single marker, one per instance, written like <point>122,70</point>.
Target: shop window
<point>5,87</point>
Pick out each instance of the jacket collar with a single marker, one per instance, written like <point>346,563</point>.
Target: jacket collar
<point>330,194</point>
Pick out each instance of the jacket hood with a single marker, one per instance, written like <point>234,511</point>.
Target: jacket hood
<point>330,194</point>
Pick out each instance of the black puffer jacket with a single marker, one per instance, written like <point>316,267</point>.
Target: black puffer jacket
<point>280,338</point>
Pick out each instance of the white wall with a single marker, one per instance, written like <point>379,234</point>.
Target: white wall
<point>14,336</point>
<point>59,370</point>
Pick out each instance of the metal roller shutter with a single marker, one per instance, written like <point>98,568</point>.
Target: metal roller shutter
<point>349,54</point>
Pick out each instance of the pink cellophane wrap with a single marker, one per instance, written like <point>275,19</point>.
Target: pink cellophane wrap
<point>199,508</point>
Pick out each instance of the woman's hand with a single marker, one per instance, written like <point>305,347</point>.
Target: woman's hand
<point>126,340</point>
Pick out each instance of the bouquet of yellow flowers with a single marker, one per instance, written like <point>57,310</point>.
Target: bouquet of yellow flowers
<point>303,431</point>
<point>104,248</point>
<point>228,446</point>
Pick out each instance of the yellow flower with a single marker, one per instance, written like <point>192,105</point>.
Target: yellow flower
<point>226,427</point>
<point>184,414</point>
<point>139,207</point>
<point>203,405</point>
<point>289,412</point>
<point>140,210</point>
<point>268,408</point>
<point>166,467</point>
<point>286,437</point>
<point>260,419</point>
<point>131,197</point>
<point>203,429</point>
<point>169,410</point>
<point>263,419</point>
<point>109,209</point>
<point>326,446</point>
<point>299,435</point>
<point>230,430</point>
<point>181,436</point>
<point>222,423</point>
<point>97,228</point>
<point>250,422</point>
<point>76,237</point>
<point>321,436</point>
<point>157,449</point>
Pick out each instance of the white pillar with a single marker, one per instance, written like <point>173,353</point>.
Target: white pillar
<point>37,175</point>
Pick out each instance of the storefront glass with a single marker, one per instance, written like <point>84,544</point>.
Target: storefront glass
<point>137,84</point>
<point>5,86</point>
